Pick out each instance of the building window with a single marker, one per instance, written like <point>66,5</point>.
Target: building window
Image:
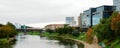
<point>87,15</point>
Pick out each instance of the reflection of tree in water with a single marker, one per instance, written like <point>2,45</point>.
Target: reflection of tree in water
<point>67,43</point>
<point>70,44</point>
<point>80,45</point>
<point>8,45</point>
<point>5,46</point>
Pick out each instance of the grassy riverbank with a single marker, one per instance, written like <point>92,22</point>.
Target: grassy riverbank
<point>82,36</point>
<point>7,43</point>
<point>34,33</point>
<point>4,41</point>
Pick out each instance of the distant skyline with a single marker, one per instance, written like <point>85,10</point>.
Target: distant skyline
<point>38,13</point>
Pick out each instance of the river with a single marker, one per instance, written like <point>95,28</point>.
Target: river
<point>35,41</point>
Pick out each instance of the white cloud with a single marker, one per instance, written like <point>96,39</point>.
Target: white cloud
<point>42,11</point>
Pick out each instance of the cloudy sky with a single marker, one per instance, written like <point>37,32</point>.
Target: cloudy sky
<point>38,13</point>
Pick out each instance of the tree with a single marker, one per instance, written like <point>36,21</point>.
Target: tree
<point>7,30</point>
<point>49,30</point>
<point>104,30</point>
<point>65,30</point>
<point>89,34</point>
<point>11,25</point>
<point>115,24</point>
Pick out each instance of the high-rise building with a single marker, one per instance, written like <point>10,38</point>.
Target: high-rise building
<point>102,12</point>
<point>70,21</point>
<point>117,4</point>
<point>87,18</point>
<point>92,16</point>
<point>80,20</point>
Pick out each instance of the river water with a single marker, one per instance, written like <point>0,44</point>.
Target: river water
<point>35,41</point>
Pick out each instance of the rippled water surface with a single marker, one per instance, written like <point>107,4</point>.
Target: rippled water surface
<point>34,41</point>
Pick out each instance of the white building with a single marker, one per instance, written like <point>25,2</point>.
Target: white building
<point>117,4</point>
<point>70,21</point>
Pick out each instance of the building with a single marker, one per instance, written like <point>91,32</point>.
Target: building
<point>117,4</point>
<point>70,21</point>
<point>102,12</point>
<point>80,20</point>
<point>87,18</point>
<point>92,16</point>
<point>17,25</point>
<point>54,26</point>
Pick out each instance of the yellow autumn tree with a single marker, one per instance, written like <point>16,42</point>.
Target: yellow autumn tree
<point>89,35</point>
<point>115,24</point>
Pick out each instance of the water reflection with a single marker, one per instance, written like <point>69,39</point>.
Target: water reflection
<point>8,45</point>
<point>67,43</point>
<point>34,41</point>
<point>5,46</point>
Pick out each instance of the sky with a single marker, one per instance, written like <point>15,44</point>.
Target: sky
<point>38,13</point>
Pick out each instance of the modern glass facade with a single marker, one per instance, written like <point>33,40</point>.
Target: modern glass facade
<point>87,18</point>
<point>96,19</point>
<point>70,21</point>
<point>117,4</point>
<point>94,15</point>
<point>102,12</point>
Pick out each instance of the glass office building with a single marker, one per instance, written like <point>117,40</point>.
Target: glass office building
<point>87,18</point>
<point>70,21</point>
<point>117,4</point>
<point>102,12</point>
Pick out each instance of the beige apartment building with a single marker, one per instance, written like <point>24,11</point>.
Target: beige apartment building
<point>80,20</point>
<point>54,26</point>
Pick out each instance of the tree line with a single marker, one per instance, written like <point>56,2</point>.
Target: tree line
<point>107,29</point>
<point>65,30</point>
<point>8,30</point>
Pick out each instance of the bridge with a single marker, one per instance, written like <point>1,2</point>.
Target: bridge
<point>29,30</point>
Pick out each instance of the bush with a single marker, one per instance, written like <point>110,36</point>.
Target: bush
<point>7,31</point>
<point>3,41</point>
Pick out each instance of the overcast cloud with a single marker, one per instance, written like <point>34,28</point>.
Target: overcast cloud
<point>44,11</point>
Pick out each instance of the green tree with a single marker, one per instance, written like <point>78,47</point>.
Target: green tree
<point>65,30</point>
<point>103,29</point>
<point>7,30</point>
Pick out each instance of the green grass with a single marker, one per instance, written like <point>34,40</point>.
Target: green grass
<point>112,44</point>
<point>4,41</point>
<point>34,33</point>
<point>82,36</point>
<point>45,34</point>
<point>117,46</point>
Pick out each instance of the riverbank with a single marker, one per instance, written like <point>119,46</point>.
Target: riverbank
<point>81,39</point>
<point>7,43</point>
<point>66,36</point>
<point>82,36</point>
